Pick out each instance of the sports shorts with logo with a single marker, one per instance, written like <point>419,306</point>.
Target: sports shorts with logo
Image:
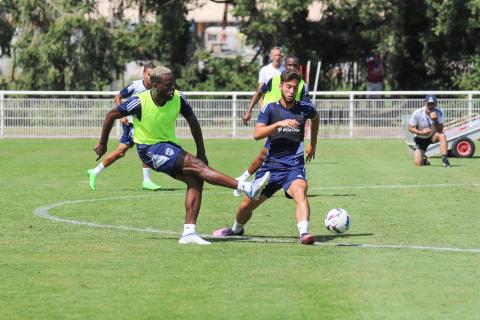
<point>166,157</point>
<point>280,178</point>
<point>422,143</point>
<point>127,136</point>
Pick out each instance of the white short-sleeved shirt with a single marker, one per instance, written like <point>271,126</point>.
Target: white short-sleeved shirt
<point>421,120</point>
<point>268,72</point>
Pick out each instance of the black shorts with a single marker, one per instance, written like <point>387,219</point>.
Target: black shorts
<point>422,143</point>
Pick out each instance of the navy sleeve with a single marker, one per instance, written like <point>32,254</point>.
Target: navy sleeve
<point>185,108</point>
<point>127,91</point>
<point>265,115</point>
<point>267,87</point>
<point>305,94</point>
<point>310,110</point>
<point>131,107</point>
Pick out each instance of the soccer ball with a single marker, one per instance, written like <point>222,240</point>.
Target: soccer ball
<point>338,221</point>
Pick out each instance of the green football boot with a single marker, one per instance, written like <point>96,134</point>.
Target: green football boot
<point>92,179</point>
<point>150,185</point>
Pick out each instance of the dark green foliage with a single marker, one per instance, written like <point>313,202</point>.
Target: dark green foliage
<point>275,23</point>
<point>205,73</point>
<point>74,54</point>
<point>425,43</point>
<point>63,44</point>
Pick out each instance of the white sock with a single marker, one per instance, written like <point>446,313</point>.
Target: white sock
<point>98,169</point>
<point>244,186</point>
<point>146,174</point>
<point>188,229</point>
<point>302,227</point>
<point>244,176</point>
<point>237,227</point>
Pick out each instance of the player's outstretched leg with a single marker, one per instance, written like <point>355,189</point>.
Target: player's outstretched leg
<point>196,167</point>
<point>254,166</point>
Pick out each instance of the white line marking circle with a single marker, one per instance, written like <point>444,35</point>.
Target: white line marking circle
<point>42,212</point>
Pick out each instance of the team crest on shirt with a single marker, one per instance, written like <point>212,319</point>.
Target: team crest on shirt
<point>169,152</point>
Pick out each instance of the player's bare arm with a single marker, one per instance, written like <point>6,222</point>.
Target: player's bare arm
<point>197,136</point>
<point>263,131</point>
<point>310,150</point>
<point>248,114</point>
<point>110,118</point>
<point>118,99</point>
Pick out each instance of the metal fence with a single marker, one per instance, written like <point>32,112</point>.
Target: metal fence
<point>36,114</point>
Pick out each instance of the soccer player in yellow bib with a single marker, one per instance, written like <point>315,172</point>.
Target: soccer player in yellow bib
<point>270,92</point>
<point>126,140</point>
<point>155,113</point>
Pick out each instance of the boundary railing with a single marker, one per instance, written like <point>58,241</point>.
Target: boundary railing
<point>349,114</point>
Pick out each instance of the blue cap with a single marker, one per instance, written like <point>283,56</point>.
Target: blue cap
<point>430,98</point>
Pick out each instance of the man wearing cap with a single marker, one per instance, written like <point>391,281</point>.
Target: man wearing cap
<point>427,125</point>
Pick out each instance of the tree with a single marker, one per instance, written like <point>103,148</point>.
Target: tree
<point>167,39</point>
<point>66,46</point>
<point>421,40</point>
<point>62,47</point>
<point>206,73</point>
<point>275,23</point>
<point>7,26</point>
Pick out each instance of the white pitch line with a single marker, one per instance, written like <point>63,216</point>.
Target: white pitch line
<point>42,212</point>
<point>408,186</point>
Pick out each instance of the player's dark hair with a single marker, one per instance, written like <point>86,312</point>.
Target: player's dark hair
<point>149,65</point>
<point>289,75</point>
<point>292,57</point>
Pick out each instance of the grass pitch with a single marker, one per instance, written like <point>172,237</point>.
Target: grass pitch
<point>57,270</point>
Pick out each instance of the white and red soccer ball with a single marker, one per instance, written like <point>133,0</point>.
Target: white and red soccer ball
<point>338,221</point>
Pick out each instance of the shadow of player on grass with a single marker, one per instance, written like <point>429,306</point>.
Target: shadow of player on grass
<point>284,239</point>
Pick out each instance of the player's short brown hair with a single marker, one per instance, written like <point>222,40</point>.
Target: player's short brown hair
<point>289,75</point>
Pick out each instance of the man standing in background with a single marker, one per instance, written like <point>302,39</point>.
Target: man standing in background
<point>375,74</point>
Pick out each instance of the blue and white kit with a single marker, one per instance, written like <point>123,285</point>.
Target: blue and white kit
<point>133,88</point>
<point>285,157</point>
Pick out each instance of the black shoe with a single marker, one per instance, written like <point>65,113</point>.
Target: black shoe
<point>445,163</point>
<point>426,162</point>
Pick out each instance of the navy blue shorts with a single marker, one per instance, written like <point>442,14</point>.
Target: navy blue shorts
<point>280,178</point>
<point>166,157</point>
<point>127,136</point>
